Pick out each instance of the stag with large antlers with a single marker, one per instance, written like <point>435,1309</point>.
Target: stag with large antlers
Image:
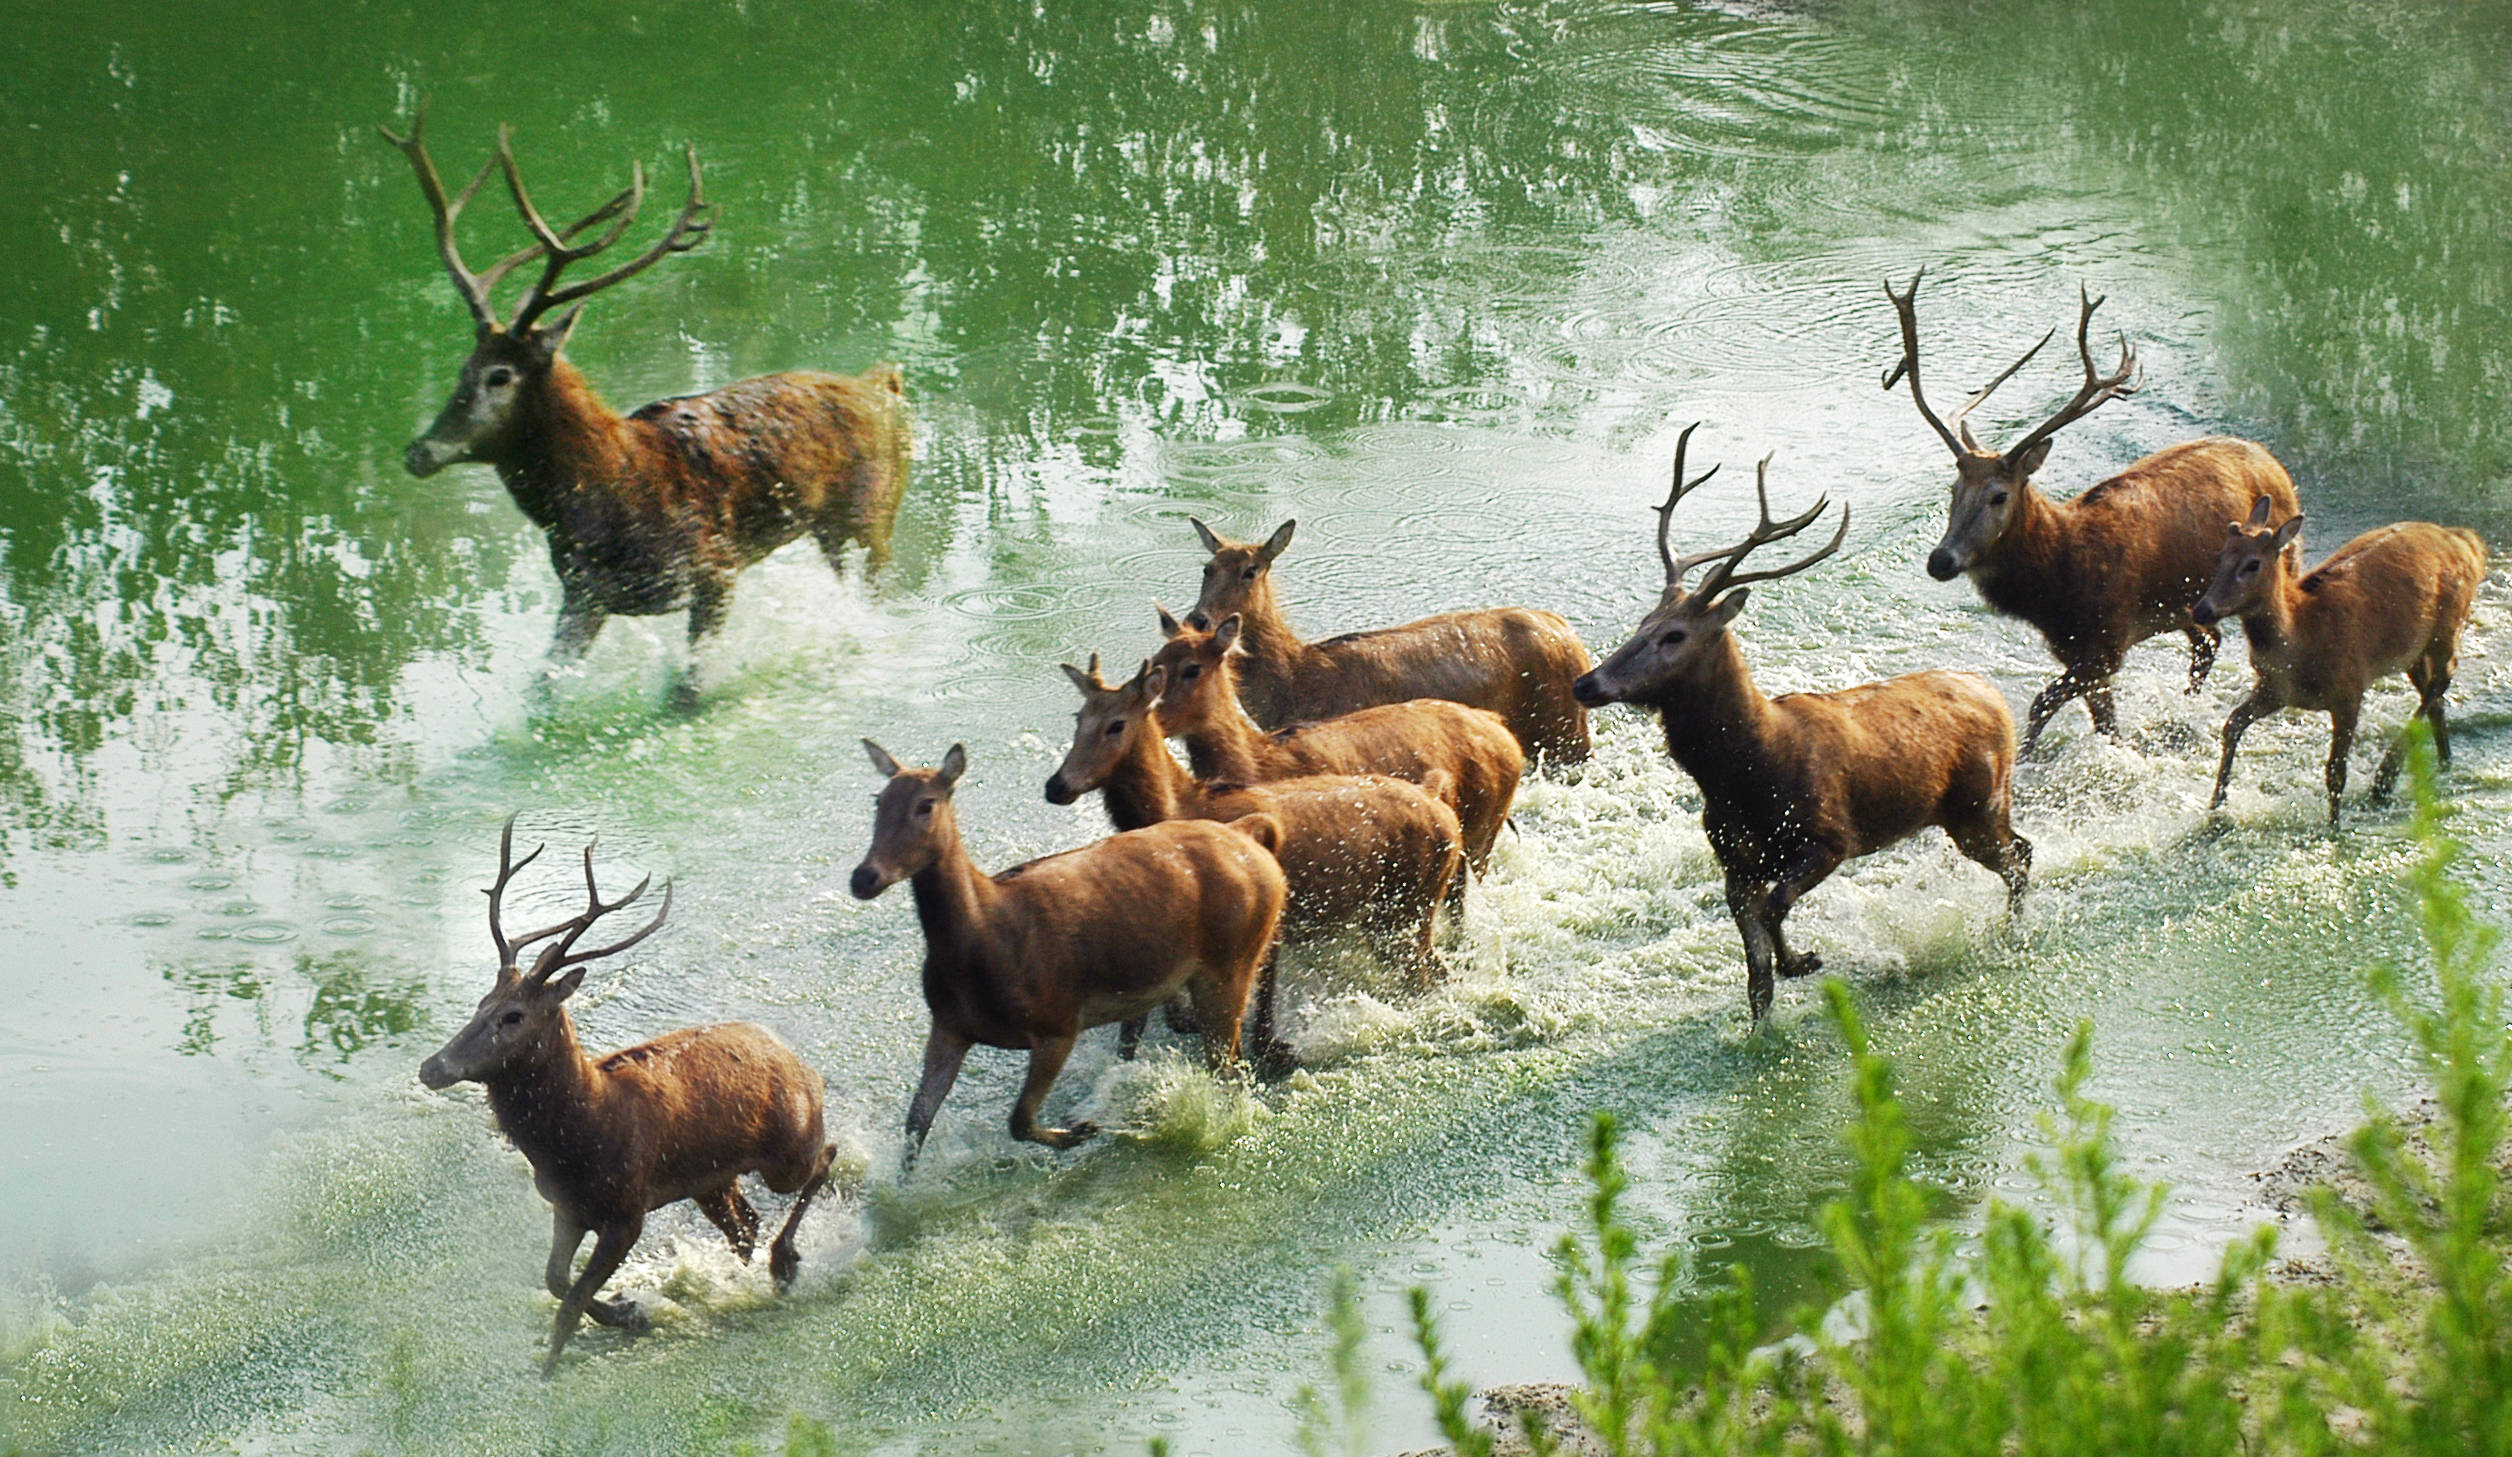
<point>1359,853</point>
<point>1033,956</point>
<point>656,511</point>
<point>2100,573</point>
<point>1793,786</point>
<point>1515,661</point>
<point>2394,599</point>
<point>613,1138</point>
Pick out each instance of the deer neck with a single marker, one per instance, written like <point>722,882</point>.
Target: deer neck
<point>1718,723</point>
<point>1227,744</point>
<point>1148,784</point>
<point>1274,652</point>
<point>2021,565</point>
<point>2268,623</point>
<point>567,440</point>
<point>953,901</point>
<point>545,1104</point>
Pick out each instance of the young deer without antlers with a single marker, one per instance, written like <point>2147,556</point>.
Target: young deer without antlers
<point>2394,598</point>
<point>1793,786</point>
<point>1199,705</point>
<point>1033,956</point>
<point>1514,661</point>
<point>612,1138</point>
<point>2098,574</point>
<point>1363,853</point>
<point>658,510</point>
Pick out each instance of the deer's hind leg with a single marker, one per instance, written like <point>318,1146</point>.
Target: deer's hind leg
<point>1046,1060</point>
<point>728,1211</point>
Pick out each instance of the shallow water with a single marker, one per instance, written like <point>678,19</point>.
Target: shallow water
<point>1442,281</point>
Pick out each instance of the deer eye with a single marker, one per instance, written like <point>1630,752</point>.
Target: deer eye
<point>1191,672</point>
<point>2250,568</point>
<point>1998,500</point>
<point>511,1018</point>
<point>1115,727</point>
<point>1670,637</point>
<point>924,809</point>
<point>1248,576</point>
<point>498,378</point>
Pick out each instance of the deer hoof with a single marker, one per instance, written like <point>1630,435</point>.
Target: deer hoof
<point>1804,965</point>
<point>1273,1061</point>
<point>784,1266</point>
<point>1068,1137</point>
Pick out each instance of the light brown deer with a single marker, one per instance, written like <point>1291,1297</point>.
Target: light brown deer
<point>658,510</point>
<point>1793,786</point>
<point>613,1138</point>
<point>1200,707</point>
<point>1359,853</point>
<point>1034,956</point>
<point>1514,661</point>
<point>2393,599</point>
<point>2098,574</point>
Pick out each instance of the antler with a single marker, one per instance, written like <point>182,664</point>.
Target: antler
<point>1724,575</point>
<point>2097,390</point>
<point>686,232</point>
<point>1906,304</point>
<point>558,959</point>
<point>507,865</point>
<point>1666,513</point>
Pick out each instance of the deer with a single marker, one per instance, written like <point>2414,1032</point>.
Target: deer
<point>1358,852</point>
<point>1472,747</point>
<point>613,1138</point>
<point>659,510</point>
<point>1033,956</point>
<point>1793,787</point>
<point>2394,599</point>
<point>1515,661</point>
<point>2104,571</point>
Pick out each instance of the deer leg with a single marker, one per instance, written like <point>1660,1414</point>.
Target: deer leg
<point>2047,703</point>
<point>784,1259</point>
<point>1220,996</point>
<point>2341,743</point>
<point>1812,866</point>
<point>1272,1057</point>
<point>564,1238</point>
<point>944,1052</point>
<point>1994,844</point>
<point>2236,723</point>
<point>2099,706</point>
<point>1129,1035</point>
<point>709,597</point>
<point>731,1213</point>
<point>1046,1059</point>
<point>579,622</point>
<point>609,1248</point>
<point>2203,642</point>
<point>1745,901</point>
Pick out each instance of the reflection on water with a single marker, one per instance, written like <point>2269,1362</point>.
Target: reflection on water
<point>1440,281</point>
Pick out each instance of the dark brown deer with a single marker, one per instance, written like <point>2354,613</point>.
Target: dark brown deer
<point>1034,956</point>
<point>1200,707</point>
<point>1514,661</point>
<point>613,1138</point>
<point>2098,574</point>
<point>1793,786</point>
<point>658,510</point>
<point>1358,853</point>
<point>2394,599</point>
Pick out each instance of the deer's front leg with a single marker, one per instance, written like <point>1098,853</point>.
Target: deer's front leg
<point>2203,643</point>
<point>709,598</point>
<point>564,1239</point>
<point>2244,714</point>
<point>2341,743</point>
<point>1046,1059</point>
<point>2047,703</point>
<point>1747,901</point>
<point>579,622</point>
<point>609,1248</point>
<point>944,1052</point>
<point>1811,867</point>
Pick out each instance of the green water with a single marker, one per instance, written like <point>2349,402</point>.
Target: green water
<point>1442,281</point>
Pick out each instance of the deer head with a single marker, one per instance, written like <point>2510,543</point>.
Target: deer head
<point>1113,718</point>
<point>2246,566</point>
<point>520,1021</point>
<point>1988,484</point>
<point>1197,679</point>
<point>1684,642</point>
<point>510,359</point>
<point>1239,573</point>
<point>912,823</point>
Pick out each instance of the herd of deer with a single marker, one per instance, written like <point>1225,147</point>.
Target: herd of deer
<point>1339,786</point>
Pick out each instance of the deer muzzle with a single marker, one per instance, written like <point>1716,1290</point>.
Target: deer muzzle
<point>1943,565</point>
<point>867,881</point>
<point>1591,691</point>
<point>436,1075</point>
<point>426,457</point>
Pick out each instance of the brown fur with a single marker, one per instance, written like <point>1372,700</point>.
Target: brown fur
<point>2394,599</point>
<point>1407,741</point>
<point>1791,787</point>
<point>612,1138</point>
<point>1363,853</point>
<point>1514,661</point>
<point>1034,956</point>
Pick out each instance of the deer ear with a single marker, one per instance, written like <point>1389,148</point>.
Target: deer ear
<point>954,764</point>
<point>1152,682</point>
<point>1225,638</point>
<point>561,988</point>
<point>1726,609</point>
<point>1169,626</point>
<point>881,759</point>
<point>1212,542</point>
<point>1080,679</point>
<point>2288,533</point>
<point>2259,511</point>
<point>2030,461</point>
<point>1275,543</point>
<point>550,338</point>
